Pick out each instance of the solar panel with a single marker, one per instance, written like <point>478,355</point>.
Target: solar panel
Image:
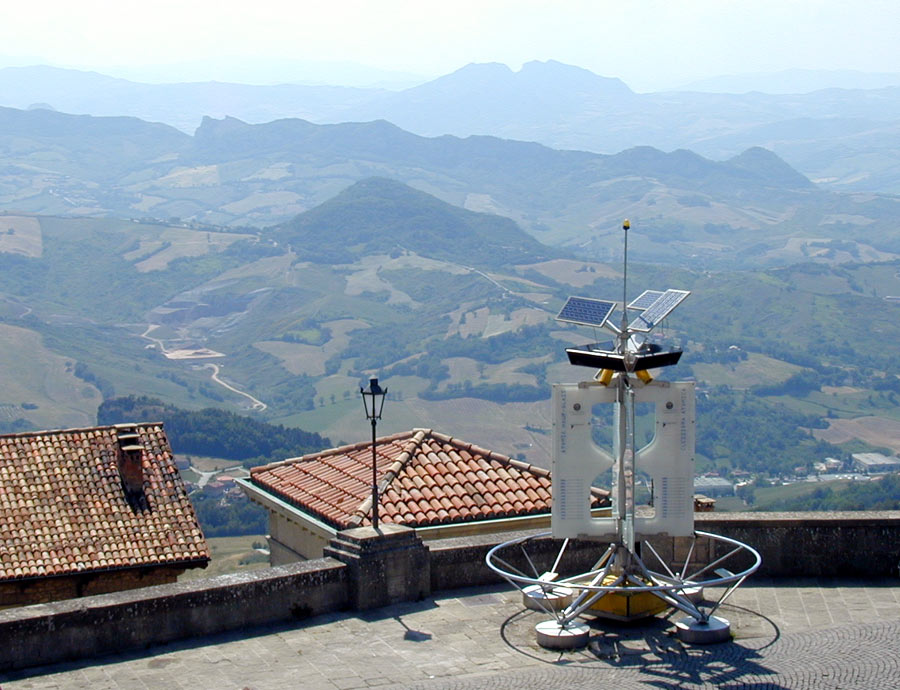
<point>586,311</point>
<point>646,298</point>
<point>659,310</point>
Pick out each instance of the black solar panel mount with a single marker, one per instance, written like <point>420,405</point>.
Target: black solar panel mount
<point>585,311</point>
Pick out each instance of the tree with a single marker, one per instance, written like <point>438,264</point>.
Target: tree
<point>747,494</point>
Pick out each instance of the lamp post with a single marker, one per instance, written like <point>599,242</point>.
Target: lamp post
<point>373,402</point>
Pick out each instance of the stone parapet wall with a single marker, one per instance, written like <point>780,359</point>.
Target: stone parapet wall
<point>460,561</point>
<point>121,621</point>
<point>791,544</point>
<point>838,544</point>
<point>859,544</point>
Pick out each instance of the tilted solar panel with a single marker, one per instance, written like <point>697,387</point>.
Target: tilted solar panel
<point>657,311</point>
<point>586,311</point>
<point>645,299</point>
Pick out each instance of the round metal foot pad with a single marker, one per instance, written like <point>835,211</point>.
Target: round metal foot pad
<point>692,631</point>
<point>544,598</point>
<point>552,635</point>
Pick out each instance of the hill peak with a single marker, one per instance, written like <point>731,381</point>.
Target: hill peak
<point>769,166</point>
<point>553,74</point>
<point>378,215</point>
<point>533,82</point>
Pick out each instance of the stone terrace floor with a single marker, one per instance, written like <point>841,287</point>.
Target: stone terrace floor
<point>788,634</point>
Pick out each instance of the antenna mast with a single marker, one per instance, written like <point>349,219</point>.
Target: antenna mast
<point>626,225</point>
<point>621,585</point>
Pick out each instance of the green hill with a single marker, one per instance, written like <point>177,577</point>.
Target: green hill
<point>379,215</point>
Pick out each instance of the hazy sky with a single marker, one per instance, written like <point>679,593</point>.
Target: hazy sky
<point>648,43</point>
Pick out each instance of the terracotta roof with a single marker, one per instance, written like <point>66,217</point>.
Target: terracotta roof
<point>425,478</point>
<point>64,508</point>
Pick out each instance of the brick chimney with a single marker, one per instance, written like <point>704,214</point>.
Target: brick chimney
<point>130,459</point>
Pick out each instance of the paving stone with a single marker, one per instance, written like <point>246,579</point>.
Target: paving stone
<point>786,636</point>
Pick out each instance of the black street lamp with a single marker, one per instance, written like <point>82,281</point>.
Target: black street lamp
<point>373,401</point>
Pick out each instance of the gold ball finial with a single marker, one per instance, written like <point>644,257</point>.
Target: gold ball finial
<point>626,224</point>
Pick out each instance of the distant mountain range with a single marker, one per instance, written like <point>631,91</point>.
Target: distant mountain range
<point>233,173</point>
<point>793,81</point>
<point>845,138</point>
<point>750,210</point>
<point>264,70</point>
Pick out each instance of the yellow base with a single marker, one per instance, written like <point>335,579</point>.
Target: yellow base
<point>627,607</point>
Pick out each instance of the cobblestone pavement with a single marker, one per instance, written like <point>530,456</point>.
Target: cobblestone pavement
<point>789,634</point>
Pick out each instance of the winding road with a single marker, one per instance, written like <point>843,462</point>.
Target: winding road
<point>257,404</point>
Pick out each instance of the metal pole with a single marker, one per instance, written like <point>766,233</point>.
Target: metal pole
<point>625,226</point>
<point>374,480</point>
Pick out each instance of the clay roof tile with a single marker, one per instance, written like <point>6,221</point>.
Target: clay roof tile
<point>71,507</point>
<point>424,477</point>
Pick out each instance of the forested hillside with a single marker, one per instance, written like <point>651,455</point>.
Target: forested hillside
<point>215,432</point>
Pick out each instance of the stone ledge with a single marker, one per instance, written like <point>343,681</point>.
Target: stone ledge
<point>845,517</point>
<point>807,544</point>
<point>133,619</point>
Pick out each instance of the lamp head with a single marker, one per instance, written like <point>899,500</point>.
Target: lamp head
<point>373,399</point>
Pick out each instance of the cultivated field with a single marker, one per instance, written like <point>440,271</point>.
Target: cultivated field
<point>175,243</point>
<point>231,555</point>
<point>298,358</point>
<point>467,369</point>
<point>500,323</point>
<point>755,370</point>
<point>481,323</point>
<point>32,375</point>
<point>574,273</point>
<point>281,200</point>
<point>200,176</point>
<point>21,235</point>
<point>365,275</point>
<point>876,431</point>
<point>497,427</point>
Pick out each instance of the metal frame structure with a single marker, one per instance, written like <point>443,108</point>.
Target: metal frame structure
<point>679,587</point>
<point>620,571</point>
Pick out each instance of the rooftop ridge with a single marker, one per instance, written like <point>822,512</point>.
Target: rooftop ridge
<point>492,455</point>
<point>72,430</point>
<point>415,440</point>
<point>331,452</point>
